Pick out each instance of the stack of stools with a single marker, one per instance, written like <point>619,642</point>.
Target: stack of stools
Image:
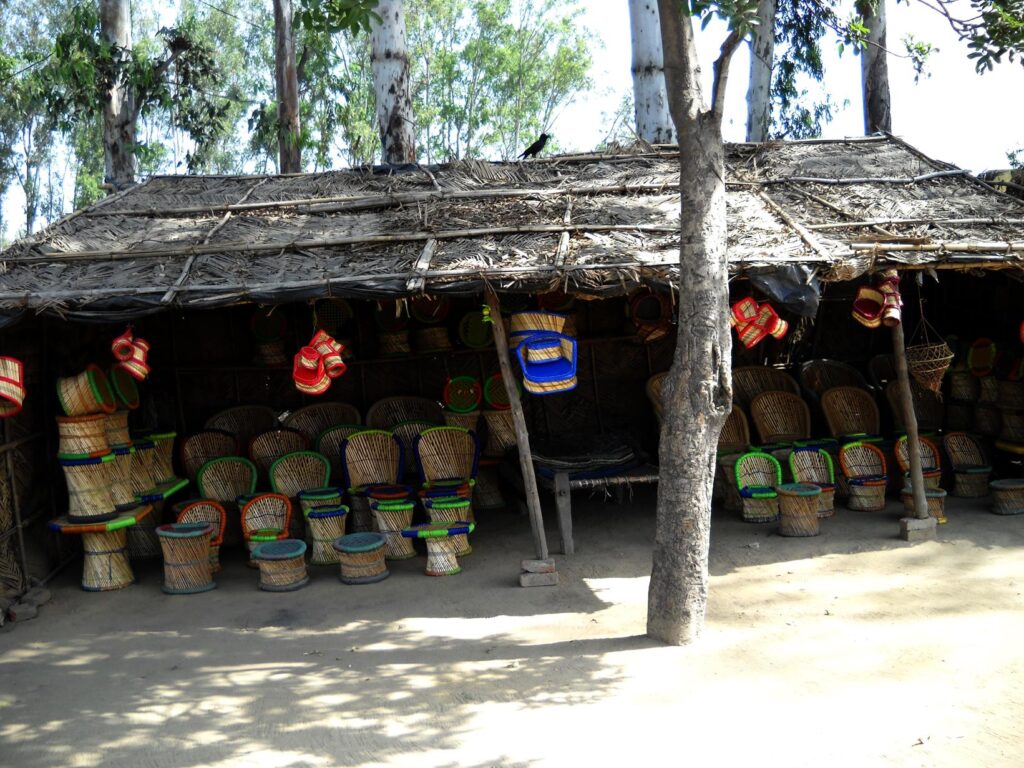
<point>104,542</point>
<point>361,556</point>
<point>392,517</point>
<point>186,548</point>
<point>451,510</point>
<point>282,565</point>
<point>154,482</point>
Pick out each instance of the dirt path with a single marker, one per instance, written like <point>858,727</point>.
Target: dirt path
<point>850,649</point>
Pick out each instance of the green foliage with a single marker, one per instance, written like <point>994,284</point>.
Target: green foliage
<point>799,30</point>
<point>1016,158</point>
<point>334,16</point>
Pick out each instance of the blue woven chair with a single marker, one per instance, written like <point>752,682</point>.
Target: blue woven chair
<point>548,361</point>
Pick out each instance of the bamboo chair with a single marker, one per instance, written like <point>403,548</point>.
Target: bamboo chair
<point>386,413</point>
<point>299,471</point>
<point>781,417</point>
<point>757,474</point>
<point>818,376</point>
<point>735,436</point>
<point>244,422</point>
<point>931,462</point>
<point>751,380</point>
<point>654,387</point>
<point>927,407</point>
<point>197,449</point>
<point>407,432</point>
<point>312,420</point>
<point>863,465</point>
<point>971,467</point>
<point>207,511</point>
<point>328,443</point>
<point>371,457</point>
<point>733,442</point>
<point>227,478</point>
<point>266,517</point>
<point>445,454</point>
<point>268,447</point>
<point>850,411</point>
<point>814,466</point>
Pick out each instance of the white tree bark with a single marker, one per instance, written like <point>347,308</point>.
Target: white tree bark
<point>389,58</point>
<point>762,53</point>
<point>874,69</point>
<point>119,109</point>
<point>653,119</point>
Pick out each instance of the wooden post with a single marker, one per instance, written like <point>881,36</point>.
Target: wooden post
<point>910,422</point>
<point>519,422</point>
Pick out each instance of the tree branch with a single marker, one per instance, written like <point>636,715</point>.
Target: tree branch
<point>721,74</point>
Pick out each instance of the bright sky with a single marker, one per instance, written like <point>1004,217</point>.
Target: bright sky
<point>954,115</point>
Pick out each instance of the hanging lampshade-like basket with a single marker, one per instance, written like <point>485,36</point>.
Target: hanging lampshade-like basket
<point>927,363</point>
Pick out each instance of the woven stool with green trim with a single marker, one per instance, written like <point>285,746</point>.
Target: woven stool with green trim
<point>392,518</point>
<point>282,565</point>
<point>362,558</point>
<point>441,558</point>
<point>451,510</point>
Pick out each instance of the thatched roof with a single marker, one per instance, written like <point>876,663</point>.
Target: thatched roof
<point>597,224</point>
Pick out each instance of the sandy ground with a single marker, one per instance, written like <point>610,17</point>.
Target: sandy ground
<point>849,649</point>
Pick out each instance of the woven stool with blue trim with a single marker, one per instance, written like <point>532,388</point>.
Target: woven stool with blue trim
<point>392,517</point>
<point>186,548</point>
<point>362,558</point>
<point>325,525</point>
<point>798,509</point>
<point>441,546</point>
<point>451,510</point>
<point>282,565</point>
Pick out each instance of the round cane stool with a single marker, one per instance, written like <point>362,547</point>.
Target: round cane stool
<point>451,510</point>
<point>282,565</point>
<point>1007,496</point>
<point>936,498</point>
<point>447,489</point>
<point>362,558</point>
<point>392,518</point>
<point>325,525</point>
<point>361,514</point>
<point>866,494</point>
<point>441,558</point>
<point>798,509</point>
<point>105,566</point>
<point>89,484</point>
<point>320,497</point>
<point>186,548</point>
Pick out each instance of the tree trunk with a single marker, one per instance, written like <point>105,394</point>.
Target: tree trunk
<point>762,53</point>
<point>650,102</point>
<point>288,129</point>
<point>698,389</point>
<point>874,69</point>
<point>119,108</point>
<point>389,58</point>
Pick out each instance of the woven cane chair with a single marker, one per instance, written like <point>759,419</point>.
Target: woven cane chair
<point>312,420</point>
<point>733,442</point>
<point>372,457</point>
<point>814,466</point>
<point>299,471</point>
<point>863,465</point>
<point>850,411</point>
<point>927,407</point>
<point>751,380</point>
<point>971,467</point>
<point>328,443</point>
<point>446,453</point>
<point>757,474</point>
<point>735,435</point>
<point>654,387</point>
<point>244,422</point>
<point>407,432</point>
<point>386,413</point>
<point>268,447</point>
<point>882,370</point>
<point>931,461</point>
<point>227,478</point>
<point>819,376</point>
<point>207,511</point>
<point>780,417</point>
<point>197,449</point>
<point>266,517</point>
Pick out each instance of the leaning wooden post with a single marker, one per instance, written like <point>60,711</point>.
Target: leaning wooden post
<point>519,422</point>
<point>910,530</point>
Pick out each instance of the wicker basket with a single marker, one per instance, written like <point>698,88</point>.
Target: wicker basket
<point>361,556</point>
<point>88,392</point>
<point>936,498</point>
<point>798,509</point>
<point>325,525</point>
<point>392,517</point>
<point>186,549</point>
<point>282,565</point>
<point>1007,496</point>
<point>927,363</point>
<point>84,435</point>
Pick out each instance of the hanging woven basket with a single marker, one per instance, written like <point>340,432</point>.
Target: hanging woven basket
<point>930,357</point>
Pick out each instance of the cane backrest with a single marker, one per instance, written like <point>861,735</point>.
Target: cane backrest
<point>965,452</point>
<point>206,511</point>
<point>266,512</point>
<point>930,458</point>
<point>780,417</point>
<point>386,413</point>
<point>205,446</point>
<point>751,380</point>
<point>735,436</point>
<point>328,443</point>
<point>927,407</point>
<point>819,376</point>
<point>812,465</point>
<point>862,460</point>
<point>372,457</point>
<point>758,470</point>
<point>227,478</point>
<point>312,420</point>
<point>299,471</point>
<point>447,453</point>
<point>850,411</point>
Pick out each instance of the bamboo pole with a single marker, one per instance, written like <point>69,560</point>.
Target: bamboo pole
<point>910,422</point>
<point>519,422</point>
<point>910,222</point>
